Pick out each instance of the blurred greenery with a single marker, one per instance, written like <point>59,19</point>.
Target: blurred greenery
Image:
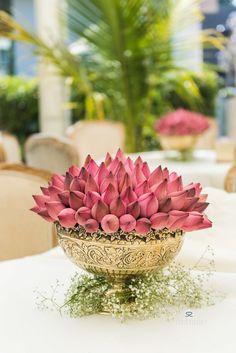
<point>18,106</point>
<point>126,69</point>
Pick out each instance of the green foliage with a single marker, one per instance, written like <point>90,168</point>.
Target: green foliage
<point>18,106</point>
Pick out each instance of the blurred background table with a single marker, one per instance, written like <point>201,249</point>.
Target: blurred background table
<point>25,329</point>
<point>203,168</point>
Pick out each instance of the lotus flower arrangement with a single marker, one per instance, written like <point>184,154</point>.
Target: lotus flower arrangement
<point>180,130</point>
<point>122,195</point>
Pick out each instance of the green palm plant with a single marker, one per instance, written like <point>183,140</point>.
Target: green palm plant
<point>129,52</point>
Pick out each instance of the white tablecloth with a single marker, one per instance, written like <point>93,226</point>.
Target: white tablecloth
<point>25,329</point>
<point>204,168</point>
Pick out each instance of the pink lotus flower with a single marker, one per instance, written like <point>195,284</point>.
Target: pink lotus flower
<point>182,122</point>
<point>122,194</point>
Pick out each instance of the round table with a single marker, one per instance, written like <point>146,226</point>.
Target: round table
<point>25,329</point>
<point>203,168</point>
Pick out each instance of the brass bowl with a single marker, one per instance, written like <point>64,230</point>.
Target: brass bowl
<point>178,143</point>
<point>120,255</point>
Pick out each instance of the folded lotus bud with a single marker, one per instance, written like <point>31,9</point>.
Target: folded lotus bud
<point>74,170</point>
<point>134,209</point>
<point>108,159</point>
<point>67,217</point>
<point>173,176</point>
<point>82,215</point>
<point>110,194</point>
<point>206,223</point>
<point>143,226</point>
<point>156,177</point>
<point>117,207</point>
<point>110,179</point>
<point>36,209</point>
<point>193,220</point>
<point>68,180</point>
<point>142,188</point>
<point>92,168</point>
<point>148,204</point>
<point>76,199</point>
<point>127,223</point>
<point>196,187</point>
<point>44,214</point>
<point>41,199</point>
<point>99,210</point>
<point>138,174</point>
<point>58,181</point>
<point>129,165</point>
<point>45,190</point>
<point>128,196</point>
<point>175,185</point>
<point>191,192</point>
<point>190,203</point>
<point>83,175</point>
<point>165,173</point>
<point>110,223</point>
<point>165,204</point>
<point>178,202</point>
<point>91,198</point>
<point>114,166</point>
<point>77,184</point>
<point>160,190</point>
<point>64,197</point>
<point>91,184</point>
<point>138,161</point>
<point>120,155</point>
<point>91,225</point>
<point>87,160</point>
<point>54,208</point>
<point>176,219</point>
<point>146,170</point>
<point>200,206</point>
<point>159,220</point>
<point>102,173</point>
<point>120,172</point>
<point>53,193</point>
<point>124,182</point>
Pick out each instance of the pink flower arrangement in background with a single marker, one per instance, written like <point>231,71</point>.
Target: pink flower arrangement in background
<point>182,122</point>
<point>120,194</point>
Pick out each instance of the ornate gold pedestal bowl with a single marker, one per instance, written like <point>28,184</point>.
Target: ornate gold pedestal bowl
<point>183,144</point>
<point>121,255</point>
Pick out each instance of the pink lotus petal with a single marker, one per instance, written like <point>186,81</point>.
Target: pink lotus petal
<point>77,184</point>
<point>87,160</point>
<point>82,215</point>
<point>160,190</point>
<point>146,170</point>
<point>120,171</point>
<point>99,210</point>
<point>175,185</point>
<point>159,220</point>
<point>200,206</point>
<point>120,155</point>
<point>44,214</point>
<point>74,170</point>
<point>91,198</point>
<point>190,203</point>
<point>138,174</point>
<point>143,226</point>
<point>54,208</point>
<point>203,197</point>
<point>45,190</point>
<point>134,209</point>
<point>114,165</point>
<point>110,194</point>
<point>64,197</point>
<point>165,204</point>
<point>117,207</point>
<point>91,184</point>
<point>102,173</point>
<point>129,164</point>
<point>138,161</point>
<point>124,182</point>
<point>68,180</point>
<point>165,173</point>
<point>91,225</point>
<point>194,219</point>
<point>54,192</point>
<point>36,209</point>
<point>92,168</point>
<point>110,179</point>
<point>83,174</point>
<point>76,199</point>
<point>58,181</point>
<point>178,202</point>
<point>176,219</point>
<point>128,196</point>
<point>206,223</point>
<point>156,177</point>
<point>127,223</point>
<point>148,204</point>
<point>110,223</point>
<point>67,217</point>
<point>41,199</point>
<point>108,159</point>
